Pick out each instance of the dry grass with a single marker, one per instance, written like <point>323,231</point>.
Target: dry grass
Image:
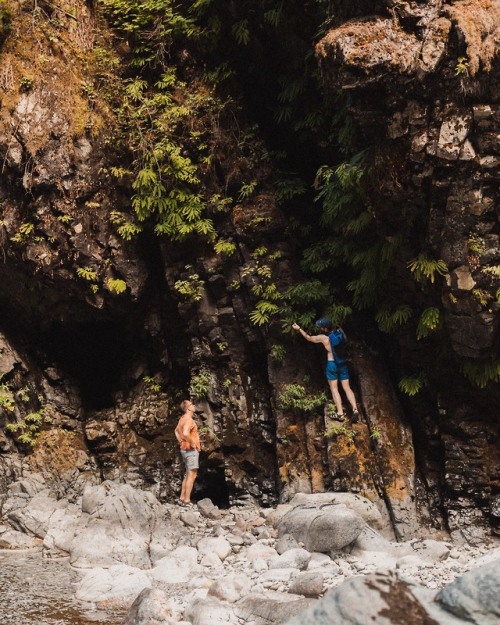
<point>370,42</point>
<point>478,21</point>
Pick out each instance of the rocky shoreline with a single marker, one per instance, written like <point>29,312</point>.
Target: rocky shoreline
<point>249,565</point>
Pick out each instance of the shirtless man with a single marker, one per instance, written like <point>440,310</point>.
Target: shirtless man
<point>335,371</point>
<point>186,433</point>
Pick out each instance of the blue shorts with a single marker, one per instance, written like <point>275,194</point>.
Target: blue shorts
<point>337,371</point>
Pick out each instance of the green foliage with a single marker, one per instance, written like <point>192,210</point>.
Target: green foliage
<point>462,66</point>
<point>411,385</point>
<point>151,384</point>
<point>247,190</point>
<point>29,428</point>
<point>278,352</point>
<point>482,296</point>
<point>375,434</point>
<point>24,232</point>
<point>476,244</point>
<point>241,32</point>
<point>192,288</point>
<point>200,384</point>
<point>116,286</point>
<point>224,247</point>
<point>295,396</point>
<point>429,321</point>
<point>126,229</point>
<point>481,373</point>
<point>334,430</point>
<point>425,268</point>
<point>388,319</point>
<point>86,273</point>
<point>7,401</point>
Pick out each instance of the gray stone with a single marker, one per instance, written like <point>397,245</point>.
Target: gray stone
<point>475,596</point>
<point>231,587</point>
<point>293,558</point>
<point>309,584</point>
<point>270,607</point>
<point>150,608</point>
<point>366,509</point>
<point>322,528</point>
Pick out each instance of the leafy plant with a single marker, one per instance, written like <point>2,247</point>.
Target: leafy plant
<point>296,397</point>
<point>425,268</point>
<point>333,430</point>
<point>223,246</point>
<point>200,384</point>
<point>480,373</point>
<point>462,66</point>
<point>476,244</point>
<point>24,232</point>
<point>278,352</point>
<point>429,321</point>
<point>192,288</point>
<point>116,285</point>
<point>388,319</point>
<point>151,384</point>
<point>86,273</point>
<point>30,426</point>
<point>411,385</point>
<point>376,434</point>
<point>7,401</point>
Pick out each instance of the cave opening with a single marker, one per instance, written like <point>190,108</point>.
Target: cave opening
<point>212,482</point>
<point>94,355</point>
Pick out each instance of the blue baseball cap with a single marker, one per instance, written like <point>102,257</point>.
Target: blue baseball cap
<point>324,322</point>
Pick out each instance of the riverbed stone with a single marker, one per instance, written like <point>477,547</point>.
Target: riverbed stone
<point>117,586</point>
<point>322,528</point>
<point>475,596</point>
<point>151,607</point>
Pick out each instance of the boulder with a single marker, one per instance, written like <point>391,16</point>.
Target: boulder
<point>366,509</point>
<point>475,596</point>
<point>12,539</point>
<point>34,517</point>
<point>270,607</point>
<point>115,587</point>
<point>383,599</point>
<point>210,611</point>
<point>309,584</point>
<point>322,528</point>
<point>293,558</point>
<point>150,608</point>
<point>231,587</point>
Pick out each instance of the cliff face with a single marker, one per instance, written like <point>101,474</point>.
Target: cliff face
<point>102,336</point>
<point>424,85</point>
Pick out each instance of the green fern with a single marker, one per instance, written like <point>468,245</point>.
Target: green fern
<point>411,385</point>
<point>116,286</point>
<point>387,320</point>
<point>224,247</point>
<point>425,268</point>
<point>481,373</point>
<point>86,273</point>
<point>295,396</point>
<point>241,32</point>
<point>429,321</point>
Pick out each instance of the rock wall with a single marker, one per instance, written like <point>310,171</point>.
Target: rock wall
<point>104,371</point>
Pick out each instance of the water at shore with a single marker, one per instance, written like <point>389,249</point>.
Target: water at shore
<point>37,591</point>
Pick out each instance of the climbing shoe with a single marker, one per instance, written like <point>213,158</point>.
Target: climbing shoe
<point>355,415</point>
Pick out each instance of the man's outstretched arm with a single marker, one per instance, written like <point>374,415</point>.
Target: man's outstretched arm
<point>308,337</point>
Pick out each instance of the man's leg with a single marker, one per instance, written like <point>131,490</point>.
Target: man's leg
<point>183,487</point>
<point>349,394</point>
<point>334,388</point>
<point>187,489</point>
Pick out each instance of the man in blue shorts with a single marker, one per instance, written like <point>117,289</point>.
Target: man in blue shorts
<point>335,368</point>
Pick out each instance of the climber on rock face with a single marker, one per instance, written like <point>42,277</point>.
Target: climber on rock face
<point>186,434</point>
<point>336,366</point>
